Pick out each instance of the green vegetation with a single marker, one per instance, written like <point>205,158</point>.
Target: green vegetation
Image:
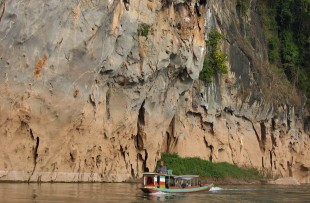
<point>215,60</point>
<point>287,27</point>
<point>197,166</point>
<point>143,30</point>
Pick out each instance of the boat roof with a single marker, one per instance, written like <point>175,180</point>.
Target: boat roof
<point>149,173</point>
<point>187,177</point>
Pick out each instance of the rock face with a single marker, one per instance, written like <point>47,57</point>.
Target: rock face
<point>95,91</point>
<point>285,181</point>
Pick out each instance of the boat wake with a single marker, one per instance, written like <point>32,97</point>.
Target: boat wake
<point>242,189</point>
<point>214,189</point>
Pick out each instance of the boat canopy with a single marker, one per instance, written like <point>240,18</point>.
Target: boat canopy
<point>187,177</point>
<point>149,173</point>
<point>159,174</point>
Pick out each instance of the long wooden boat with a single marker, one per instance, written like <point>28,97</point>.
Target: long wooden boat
<point>168,183</point>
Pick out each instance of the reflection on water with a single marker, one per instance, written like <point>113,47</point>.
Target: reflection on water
<point>125,192</point>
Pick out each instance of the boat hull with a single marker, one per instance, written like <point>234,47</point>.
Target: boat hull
<point>204,188</point>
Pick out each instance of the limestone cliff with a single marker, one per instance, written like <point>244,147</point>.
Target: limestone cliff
<point>95,91</point>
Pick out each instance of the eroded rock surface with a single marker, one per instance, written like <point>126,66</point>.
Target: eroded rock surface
<point>285,181</point>
<point>87,96</point>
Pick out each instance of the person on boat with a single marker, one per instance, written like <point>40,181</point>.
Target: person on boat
<point>183,184</point>
<point>149,181</point>
<point>162,168</point>
<point>177,183</point>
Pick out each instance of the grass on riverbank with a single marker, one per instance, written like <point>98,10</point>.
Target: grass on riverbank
<point>197,166</point>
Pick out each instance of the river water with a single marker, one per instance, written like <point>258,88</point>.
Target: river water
<point>126,192</point>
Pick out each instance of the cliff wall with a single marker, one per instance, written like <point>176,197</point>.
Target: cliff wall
<point>95,91</point>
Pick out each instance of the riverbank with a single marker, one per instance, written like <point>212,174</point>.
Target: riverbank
<point>221,173</point>
<point>204,180</point>
<point>238,181</point>
<point>218,181</point>
<point>217,173</point>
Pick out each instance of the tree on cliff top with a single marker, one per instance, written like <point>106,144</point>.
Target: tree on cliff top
<point>287,27</point>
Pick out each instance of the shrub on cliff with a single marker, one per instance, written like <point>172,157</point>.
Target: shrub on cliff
<point>197,166</point>
<point>215,60</point>
<point>243,7</point>
<point>143,30</point>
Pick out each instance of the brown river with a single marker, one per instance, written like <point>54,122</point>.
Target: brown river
<point>126,192</point>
